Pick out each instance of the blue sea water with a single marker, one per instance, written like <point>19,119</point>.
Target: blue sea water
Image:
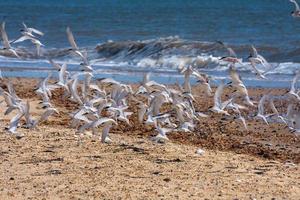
<point>160,26</point>
<point>266,22</point>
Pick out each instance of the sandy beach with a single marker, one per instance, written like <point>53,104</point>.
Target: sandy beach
<point>51,163</point>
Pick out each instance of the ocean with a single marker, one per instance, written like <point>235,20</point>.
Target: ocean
<point>128,38</point>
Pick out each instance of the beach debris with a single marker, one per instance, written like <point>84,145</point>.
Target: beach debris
<point>200,152</point>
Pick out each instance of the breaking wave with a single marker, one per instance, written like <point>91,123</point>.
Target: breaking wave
<point>156,55</point>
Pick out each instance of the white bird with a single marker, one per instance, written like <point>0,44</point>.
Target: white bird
<point>73,44</point>
<point>275,111</point>
<point>187,74</point>
<point>261,110</point>
<point>73,89</point>
<point>232,58</point>
<point>13,125</point>
<point>14,122</point>
<point>162,134</point>
<point>293,91</point>
<point>142,111</point>
<point>30,123</point>
<point>159,98</point>
<point>38,45</point>
<point>81,115</point>
<point>254,59</point>
<point>218,105</point>
<point>54,64</point>
<point>296,12</point>
<point>63,74</point>
<point>108,122</point>
<point>86,64</point>
<point>30,31</point>
<point>292,115</point>
<point>33,40</point>
<point>240,117</point>
<point>148,84</point>
<point>6,43</point>
<point>120,114</point>
<point>186,127</point>
<point>204,80</point>
<point>49,111</point>
<point>85,90</point>
<point>239,85</point>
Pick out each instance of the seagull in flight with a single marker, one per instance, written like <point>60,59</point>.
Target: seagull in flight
<point>293,90</point>
<point>255,59</point>
<point>261,109</point>
<point>218,105</point>
<point>232,58</point>
<point>30,31</point>
<point>74,47</point>
<point>162,134</point>
<point>6,43</point>
<point>238,84</point>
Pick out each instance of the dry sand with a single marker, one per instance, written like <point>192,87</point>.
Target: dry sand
<point>50,163</point>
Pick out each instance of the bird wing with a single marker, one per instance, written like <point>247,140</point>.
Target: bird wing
<point>102,121</point>
<point>261,104</point>
<point>264,62</point>
<point>253,51</point>
<point>230,50</point>
<point>255,69</point>
<point>294,81</point>
<point>80,115</point>
<point>25,26</point>
<point>75,91</point>
<point>105,132</point>
<point>296,4</point>
<point>146,78</point>
<point>4,36</point>
<point>71,38</point>
<point>218,94</point>
<point>54,64</point>
<point>35,31</point>
<point>62,73</point>
<point>22,38</point>
<point>243,121</point>
<point>15,121</point>
<point>47,114</point>
<point>110,80</point>
<point>273,108</point>
<point>234,75</point>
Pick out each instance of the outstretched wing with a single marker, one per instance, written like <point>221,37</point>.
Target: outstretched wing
<point>71,38</point>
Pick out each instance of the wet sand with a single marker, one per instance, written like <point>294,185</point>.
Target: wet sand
<point>50,163</point>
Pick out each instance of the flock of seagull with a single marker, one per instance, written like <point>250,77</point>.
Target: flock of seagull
<point>106,102</point>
